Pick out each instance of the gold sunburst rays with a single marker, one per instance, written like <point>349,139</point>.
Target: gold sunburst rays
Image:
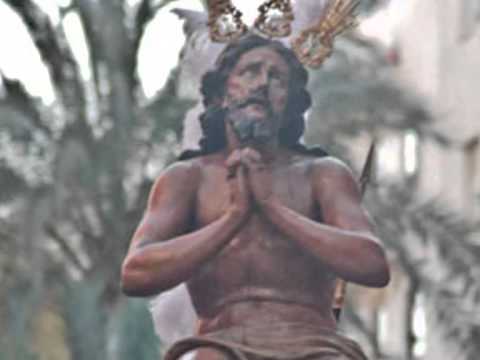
<point>315,44</point>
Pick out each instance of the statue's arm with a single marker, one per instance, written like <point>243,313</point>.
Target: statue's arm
<point>344,242</point>
<point>164,252</point>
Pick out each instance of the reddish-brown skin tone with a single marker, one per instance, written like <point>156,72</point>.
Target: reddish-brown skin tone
<point>252,248</point>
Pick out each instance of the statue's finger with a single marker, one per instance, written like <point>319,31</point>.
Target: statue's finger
<point>252,154</point>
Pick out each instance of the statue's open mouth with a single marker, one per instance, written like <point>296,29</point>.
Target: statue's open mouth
<point>252,100</point>
<point>256,101</point>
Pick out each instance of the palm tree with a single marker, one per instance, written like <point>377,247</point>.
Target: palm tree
<point>75,177</point>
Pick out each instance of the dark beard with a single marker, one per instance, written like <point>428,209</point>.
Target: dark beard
<point>251,130</point>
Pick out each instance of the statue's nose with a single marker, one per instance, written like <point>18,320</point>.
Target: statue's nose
<point>261,83</point>
<point>263,78</point>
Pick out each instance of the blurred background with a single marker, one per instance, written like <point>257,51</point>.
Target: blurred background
<point>96,97</point>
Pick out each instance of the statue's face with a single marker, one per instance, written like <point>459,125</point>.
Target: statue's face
<point>256,93</point>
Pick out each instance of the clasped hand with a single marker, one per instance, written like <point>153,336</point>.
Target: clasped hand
<point>250,180</point>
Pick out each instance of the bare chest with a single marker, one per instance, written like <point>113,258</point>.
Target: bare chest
<point>259,255</point>
<point>291,185</point>
<point>259,261</point>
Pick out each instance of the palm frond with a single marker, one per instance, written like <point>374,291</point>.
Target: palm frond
<point>436,249</point>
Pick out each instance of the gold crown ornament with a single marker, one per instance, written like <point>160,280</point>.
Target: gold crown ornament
<point>224,21</point>
<point>314,44</point>
<point>275,19</point>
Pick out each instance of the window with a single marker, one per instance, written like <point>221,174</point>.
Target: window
<point>398,157</point>
<point>469,18</point>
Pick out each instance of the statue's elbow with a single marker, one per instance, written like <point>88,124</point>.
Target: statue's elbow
<point>134,282</point>
<point>138,279</point>
<point>383,278</point>
<point>381,272</point>
<point>376,270</point>
<point>130,288</point>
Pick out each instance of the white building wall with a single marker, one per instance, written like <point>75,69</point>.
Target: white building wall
<point>439,45</point>
<point>439,48</point>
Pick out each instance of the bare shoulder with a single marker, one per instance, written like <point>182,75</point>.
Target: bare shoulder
<point>338,194</point>
<point>186,175</point>
<point>326,167</point>
<point>330,174</point>
<point>215,159</point>
<point>180,172</point>
<point>330,166</point>
<point>181,177</point>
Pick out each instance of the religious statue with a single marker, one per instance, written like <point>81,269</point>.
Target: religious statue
<point>256,224</point>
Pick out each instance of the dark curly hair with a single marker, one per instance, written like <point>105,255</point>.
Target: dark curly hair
<point>213,89</point>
